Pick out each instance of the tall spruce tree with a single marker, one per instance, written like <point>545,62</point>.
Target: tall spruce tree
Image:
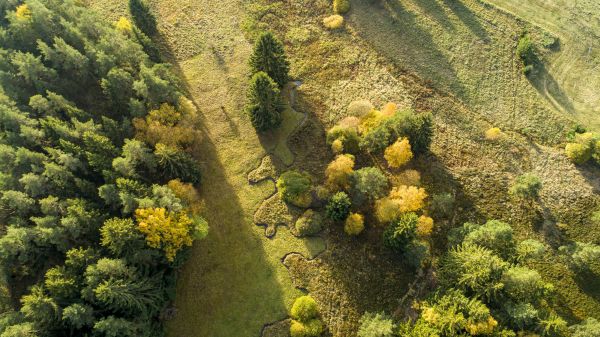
<point>143,17</point>
<point>269,56</point>
<point>265,102</point>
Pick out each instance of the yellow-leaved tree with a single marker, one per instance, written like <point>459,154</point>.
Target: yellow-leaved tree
<point>338,172</point>
<point>424,226</point>
<point>165,230</point>
<point>124,26</point>
<point>401,199</point>
<point>399,153</point>
<point>23,12</point>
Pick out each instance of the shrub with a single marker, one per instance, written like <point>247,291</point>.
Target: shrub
<point>338,207</point>
<point>269,57</point>
<point>369,183</point>
<point>311,328</point>
<point>360,108</point>
<point>415,253</point>
<point>526,50</point>
<point>526,186</point>
<point>333,22</point>
<point>578,153</point>
<point>376,325</point>
<point>341,6</point>
<point>339,171</point>
<point>401,232</point>
<point>442,205</point>
<point>309,223</point>
<point>399,153</point>
<point>294,187</point>
<point>265,102</point>
<point>143,17</point>
<point>304,309</point>
<point>354,224</point>
<point>347,136</point>
<point>493,134</point>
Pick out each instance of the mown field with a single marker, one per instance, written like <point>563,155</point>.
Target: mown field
<point>454,58</point>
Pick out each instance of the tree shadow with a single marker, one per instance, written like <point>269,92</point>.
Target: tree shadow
<point>396,34</point>
<point>545,84</point>
<point>227,285</point>
<point>589,282</point>
<point>433,8</point>
<point>468,18</point>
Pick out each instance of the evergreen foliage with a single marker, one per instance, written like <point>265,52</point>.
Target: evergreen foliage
<point>269,57</point>
<point>73,175</point>
<point>265,102</point>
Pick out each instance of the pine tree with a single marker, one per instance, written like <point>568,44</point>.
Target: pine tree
<point>143,17</point>
<point>265,102</point>
<point>269,56</point>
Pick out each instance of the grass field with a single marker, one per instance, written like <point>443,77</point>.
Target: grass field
<point>575,65</point>
<point>454,58</point>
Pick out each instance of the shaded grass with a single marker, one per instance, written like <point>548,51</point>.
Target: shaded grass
<point>234,281</point>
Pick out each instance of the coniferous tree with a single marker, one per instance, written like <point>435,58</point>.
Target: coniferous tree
<point>143,17</point>
<point>269,56</point>
<point>265,102</point>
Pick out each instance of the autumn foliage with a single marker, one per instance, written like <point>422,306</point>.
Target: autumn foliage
<point>164,230</point>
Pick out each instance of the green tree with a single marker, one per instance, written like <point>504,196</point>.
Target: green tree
<point>473,269</point>
<point>269,57</point>
<point>522,284</point>
<point>173,163</point>
<point>121,237</point>
<point>494,235</point>
<point>128,296</point>
<point>143,17</point>
<point>20,330</point>
<point>118,87</point>
<point>526,186</point>
<point>369,183</point>
<point>112,326</point>
<point>376,325</point>
<point>401,232</point>
<point>40,309</point>
<point>78,315</point>
<point>265,105</point>
<point>338,207</point>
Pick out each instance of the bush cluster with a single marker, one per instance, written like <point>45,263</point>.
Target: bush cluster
<point>305,318</point>
<point>295,187</point>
